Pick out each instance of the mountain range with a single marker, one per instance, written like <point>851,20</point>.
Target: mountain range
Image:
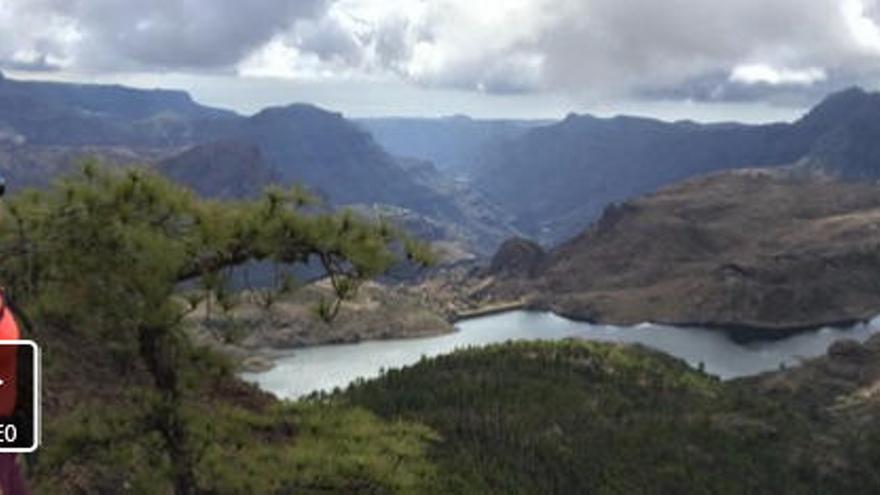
<point>46,128</point>
<point>557,179</point>
<point>455,144</point>
<point>467,183</point>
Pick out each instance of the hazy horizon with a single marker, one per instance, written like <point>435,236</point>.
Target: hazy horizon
<point>397,101</point>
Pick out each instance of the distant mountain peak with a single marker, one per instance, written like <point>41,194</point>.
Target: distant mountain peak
<point>850,91</point>
<point>846,125</point>
<point>838,106</point>
<point>850,96</point>
<point>578,120</point>
<point>297,110</point>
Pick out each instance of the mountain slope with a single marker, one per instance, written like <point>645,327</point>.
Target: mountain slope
<point>26,165</point>
<point>222,169</point>
<point>586,417</point>
<point>557,179</point>
<point>454,144</point>
<point>474,223</point>
<point>317,148</point>
<point>48,113</point>
<point>769,250</point>
<point>849,145</point>
<point>45,128</point>
<point>330,154</point>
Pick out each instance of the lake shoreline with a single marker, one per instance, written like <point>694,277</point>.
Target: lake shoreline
<point>262,358</point>
<point>255,360</point>
<point>316,368</point>
<point>742,332</point>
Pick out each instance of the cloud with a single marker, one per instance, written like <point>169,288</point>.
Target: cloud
<point>858,16</point>
<point>477,46</point>
<point>603,48</point>
<point>763,73</point>
<point>29,62</point>
<point>109,35</point>
<point>721,87</point>
<point>594,49</point>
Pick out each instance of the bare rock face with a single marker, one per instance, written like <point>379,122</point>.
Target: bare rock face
<point>517,257</point>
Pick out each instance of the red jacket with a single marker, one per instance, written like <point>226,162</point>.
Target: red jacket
<point>11,480</point>
<point>8,359</point>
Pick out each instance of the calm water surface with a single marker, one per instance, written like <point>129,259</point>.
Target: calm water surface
<point>303,371</point>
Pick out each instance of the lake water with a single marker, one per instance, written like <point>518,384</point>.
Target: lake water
<point>303,371</point>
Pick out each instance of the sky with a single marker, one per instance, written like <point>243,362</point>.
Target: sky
<point>707,60</point>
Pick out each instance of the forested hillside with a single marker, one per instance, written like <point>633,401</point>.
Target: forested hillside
<point>577,417</point>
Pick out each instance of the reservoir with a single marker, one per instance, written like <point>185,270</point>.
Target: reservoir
<point>300,372</point>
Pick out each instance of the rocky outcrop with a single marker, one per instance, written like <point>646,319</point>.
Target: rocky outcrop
<point>517,257</point>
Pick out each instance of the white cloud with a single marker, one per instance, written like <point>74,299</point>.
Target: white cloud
<point>763,73</point>
<point>275,59</point>
<point>862,27</point>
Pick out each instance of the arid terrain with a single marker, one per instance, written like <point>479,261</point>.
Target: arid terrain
<point>762,249</point>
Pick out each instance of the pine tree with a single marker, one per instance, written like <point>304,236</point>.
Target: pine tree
<point>105,251</point>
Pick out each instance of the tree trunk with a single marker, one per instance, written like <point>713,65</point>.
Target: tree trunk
<point>156,351</point>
